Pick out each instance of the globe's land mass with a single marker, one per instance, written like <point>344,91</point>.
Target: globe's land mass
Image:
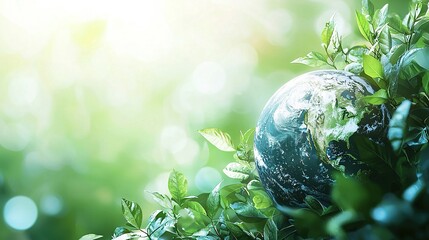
<point>303,134</point>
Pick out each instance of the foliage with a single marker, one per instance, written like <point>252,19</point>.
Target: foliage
<point>394,58</point>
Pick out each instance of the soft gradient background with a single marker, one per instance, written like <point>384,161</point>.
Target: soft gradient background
<point>101,99</point>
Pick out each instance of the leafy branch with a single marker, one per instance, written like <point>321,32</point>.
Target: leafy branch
<point>393,57</point>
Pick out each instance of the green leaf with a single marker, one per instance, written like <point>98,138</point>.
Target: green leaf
<point>255,185</point>
<point>314,204</point>
<point>219,139</point>
<point>354,67</point>
<point>196,206</point>
<point>228,194</point>
<point>162,199</point>
<point>380,16</point>
<point>90,237</point>
<point>245,137</point>
<point>270,230</point>
<point>367,8</point>
<point>336,224</point>
<point>398,125</point>
<point>313,59</point>
<point>261,200</point>
<point>238,171</point>
<point>372,67</point>
<point>421,57</point>
<point>327,32</point>
<point>425,83</point>
<point>364,26</point>
<point>354,195</point>
<point>120,231</point>
<point>396,52</point>
<point>377,98</point>
<point>190,222</point>
<point>385,40</point>
<point>178,186</point>
<point>246,210</point>
<point>213,201</point>
<point>395,23</point>
<point>132,213</point>
<point>307,222</point>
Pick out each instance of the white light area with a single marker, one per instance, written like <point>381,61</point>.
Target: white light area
<point>51,204</point>
<point>188,154</point>
<point>23,89</point>
<point>173,138</point>
<point>209,78</point>
<point>14,136</point>
<point>207,178</point>
<point>241,57</point>
<point>117,94</point>
<point>20,213</point>
<point>183,150</point>
<point>158,184</point>
<point>342,19</point>
<point>64,64</point>
<point>277,25</point>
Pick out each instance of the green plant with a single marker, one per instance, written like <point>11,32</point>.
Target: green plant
<point>394,58</point>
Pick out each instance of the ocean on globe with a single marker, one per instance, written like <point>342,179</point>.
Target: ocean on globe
<point>304,134</point>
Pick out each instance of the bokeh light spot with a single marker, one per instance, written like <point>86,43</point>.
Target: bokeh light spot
<point>51,205</point>
<point>207,178</point>
<point>20,212</point>
<point>278,23</point>
<point>209,78</point>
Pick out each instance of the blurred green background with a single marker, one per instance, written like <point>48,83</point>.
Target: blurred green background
<point>100,100</point>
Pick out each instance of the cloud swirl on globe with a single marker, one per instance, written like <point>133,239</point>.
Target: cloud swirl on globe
<point>304,134</point>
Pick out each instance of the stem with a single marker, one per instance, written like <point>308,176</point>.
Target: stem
<point>215,229</point>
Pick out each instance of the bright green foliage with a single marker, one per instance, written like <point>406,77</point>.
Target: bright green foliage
<point>178,186</point>
<point>394,58</point>
<point>90,237</point>
<point>132,213</point>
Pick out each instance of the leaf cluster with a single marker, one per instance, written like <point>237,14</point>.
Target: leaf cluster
<point>393,55</point>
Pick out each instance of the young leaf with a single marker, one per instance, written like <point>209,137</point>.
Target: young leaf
<point>364,26</point>
<point>246,136</point>
<point>132,213</point>
<point>261,200</point>
<point>398,125</point>
<point>238,171</point>
<point>219,139</point>
<point>377,98</point>
<point>213,201</point>
<point>372,67</point>
<point>327,32</point>
<point>313,59</point>
<point>178,186</point>
<point>90,237</point>
<point>270,230</point>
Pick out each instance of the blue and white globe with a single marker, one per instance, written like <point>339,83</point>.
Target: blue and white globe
<point>305,131</point>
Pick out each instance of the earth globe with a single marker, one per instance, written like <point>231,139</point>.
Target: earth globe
<point>305,134</point>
